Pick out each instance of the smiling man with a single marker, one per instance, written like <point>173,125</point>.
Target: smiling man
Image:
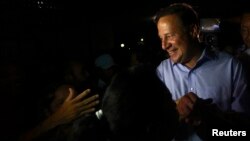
<point>194,72</point>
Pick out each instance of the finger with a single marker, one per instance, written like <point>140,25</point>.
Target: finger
<point>82,95</point>
<point>183,110</point>
<point>70,96</point>
<point>90,105</point>
<point>184,106</point>
<point>87,111</point>
<point>180,109</point>
<point>192,96</point>
<point>188,102</point>
<point>88,100</point>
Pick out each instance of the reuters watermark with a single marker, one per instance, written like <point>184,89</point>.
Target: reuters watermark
<point>228,133</point>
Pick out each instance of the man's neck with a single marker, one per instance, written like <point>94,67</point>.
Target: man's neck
<point>193,60</point>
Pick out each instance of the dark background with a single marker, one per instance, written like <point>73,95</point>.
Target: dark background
<point>43,29</point>
<point>36,35</point>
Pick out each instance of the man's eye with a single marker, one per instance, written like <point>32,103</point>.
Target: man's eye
<point>169,36</point>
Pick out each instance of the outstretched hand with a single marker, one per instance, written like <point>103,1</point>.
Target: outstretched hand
<point>74,107</point>
<point>71,109</point>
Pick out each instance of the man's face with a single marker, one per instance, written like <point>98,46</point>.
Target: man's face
<point>174,38</point>
<point>245,29</point>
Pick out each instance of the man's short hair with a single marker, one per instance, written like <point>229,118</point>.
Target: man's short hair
<point>184,11</point>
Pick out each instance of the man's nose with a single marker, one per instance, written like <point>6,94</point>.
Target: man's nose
<point>165,44</point>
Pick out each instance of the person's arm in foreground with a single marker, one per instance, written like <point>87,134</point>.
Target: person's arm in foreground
<point>72,108</point>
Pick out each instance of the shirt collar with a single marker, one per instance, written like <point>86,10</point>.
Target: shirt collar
<point>207,54</point>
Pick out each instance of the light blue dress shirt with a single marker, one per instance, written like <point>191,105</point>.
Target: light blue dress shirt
<point>216,75</point>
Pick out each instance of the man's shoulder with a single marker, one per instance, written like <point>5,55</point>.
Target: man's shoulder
<point>165,67</point>
<point>221,55</point>
<point>166,61</point>
<point>225,57</point>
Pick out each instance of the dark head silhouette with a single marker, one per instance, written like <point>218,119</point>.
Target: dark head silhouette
<point>137,105</point>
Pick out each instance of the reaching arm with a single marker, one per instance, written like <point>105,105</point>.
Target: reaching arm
<point>71,109</point>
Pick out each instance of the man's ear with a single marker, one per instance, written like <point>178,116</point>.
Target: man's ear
<point>195,31</point>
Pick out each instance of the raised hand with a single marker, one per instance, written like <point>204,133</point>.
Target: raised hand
<point>73,107</point>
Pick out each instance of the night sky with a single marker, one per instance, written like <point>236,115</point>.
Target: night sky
<point>42,29</point>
